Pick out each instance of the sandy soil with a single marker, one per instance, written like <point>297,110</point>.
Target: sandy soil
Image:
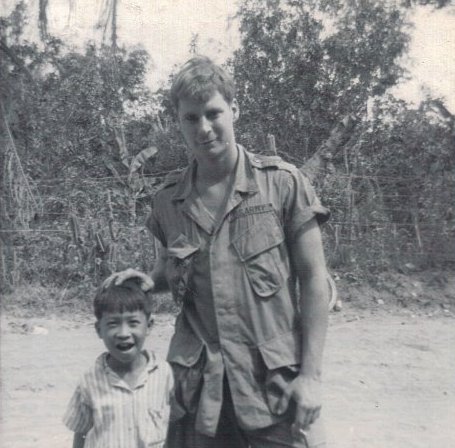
<point>389,378</point>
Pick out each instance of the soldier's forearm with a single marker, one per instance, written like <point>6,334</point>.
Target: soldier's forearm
<point>314,321</point>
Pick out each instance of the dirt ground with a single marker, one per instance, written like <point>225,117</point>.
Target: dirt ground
<point>389,377</point>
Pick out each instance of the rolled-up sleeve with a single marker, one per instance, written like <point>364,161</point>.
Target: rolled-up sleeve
<point>301,205</point>
<point>153,225</point>
<point>78,416</point>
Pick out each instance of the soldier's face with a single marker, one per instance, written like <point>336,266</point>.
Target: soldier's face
<point>208,126</point>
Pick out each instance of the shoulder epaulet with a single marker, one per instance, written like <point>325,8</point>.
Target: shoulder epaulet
<point>262,161</point>
<point>173,177</point>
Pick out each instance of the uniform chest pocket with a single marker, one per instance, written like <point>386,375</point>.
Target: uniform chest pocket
<point>259,250</point>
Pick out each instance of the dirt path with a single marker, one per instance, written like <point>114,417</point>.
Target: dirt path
<point>389,379</point>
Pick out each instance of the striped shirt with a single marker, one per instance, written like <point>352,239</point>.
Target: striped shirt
<point>114,415</point>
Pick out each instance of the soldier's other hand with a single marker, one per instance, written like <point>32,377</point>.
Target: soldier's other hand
<point>306,394</point>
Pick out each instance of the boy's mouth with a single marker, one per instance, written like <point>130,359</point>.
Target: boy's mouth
<point>125,346</point>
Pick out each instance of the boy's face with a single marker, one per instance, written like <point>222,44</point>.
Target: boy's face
<point>124,335</point>
<point>208,127</point>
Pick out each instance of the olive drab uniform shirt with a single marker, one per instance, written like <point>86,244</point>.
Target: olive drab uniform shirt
<point>234,280</point>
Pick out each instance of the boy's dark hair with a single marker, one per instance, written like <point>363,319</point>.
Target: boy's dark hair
<point>199,78</point>
<point>120,298</point>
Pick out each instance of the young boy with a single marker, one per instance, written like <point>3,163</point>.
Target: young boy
<point>123,400</point>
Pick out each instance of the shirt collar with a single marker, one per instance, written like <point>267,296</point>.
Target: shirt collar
<point>151,360</point>
<point>185,185</point>
<point>115,380</point>
<point>244,179</point>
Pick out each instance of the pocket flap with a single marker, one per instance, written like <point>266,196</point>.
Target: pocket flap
<point>258,238</point>
<point>283,350</point>
<point>182,252</point>
<point>187,355</point>
<point>185,349</point>
<point>181,248</point>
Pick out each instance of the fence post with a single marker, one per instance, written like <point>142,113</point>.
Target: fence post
<point>15,275</point>
<point>3,269</point>
<point>271,143</point>
<point>417,230</point>
<point>111,221</point>
<point>396,249</point>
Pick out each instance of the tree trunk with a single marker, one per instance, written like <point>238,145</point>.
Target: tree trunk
<point>338,137</point>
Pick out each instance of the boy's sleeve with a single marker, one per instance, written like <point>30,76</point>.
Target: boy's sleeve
<point>78,416</point>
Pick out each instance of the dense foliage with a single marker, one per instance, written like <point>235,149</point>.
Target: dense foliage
<point>296,78</point>
<point>301,69</point>
<point>84,144</point>
<point>79,141</point>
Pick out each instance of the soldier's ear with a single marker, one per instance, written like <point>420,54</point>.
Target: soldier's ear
<point>235,110</point>
<point>150,323</point>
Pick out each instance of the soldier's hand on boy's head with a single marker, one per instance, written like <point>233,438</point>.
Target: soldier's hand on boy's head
<point>118,278</point>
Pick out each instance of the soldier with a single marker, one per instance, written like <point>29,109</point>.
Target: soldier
<point>242,253</point>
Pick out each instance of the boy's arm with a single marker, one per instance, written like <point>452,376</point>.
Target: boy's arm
<point>78,440</point>
<point>78,416</point>
<point>308,259</point>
